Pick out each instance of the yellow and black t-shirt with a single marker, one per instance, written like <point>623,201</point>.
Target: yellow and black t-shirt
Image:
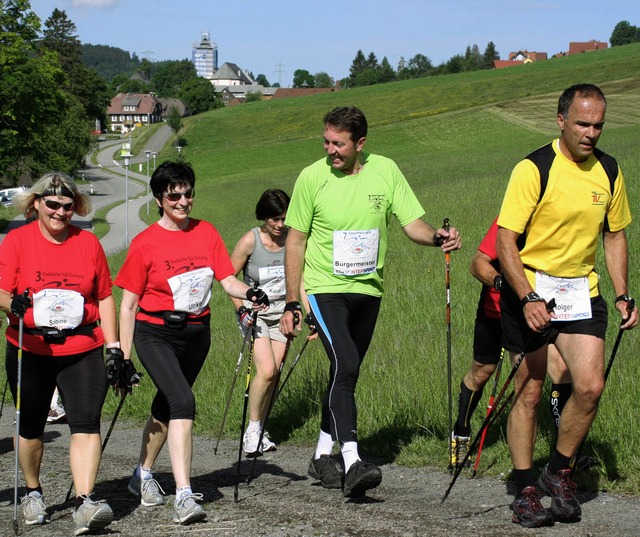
<point>561,228</point>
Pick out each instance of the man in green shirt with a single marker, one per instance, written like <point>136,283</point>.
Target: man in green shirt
<point>338,218</point>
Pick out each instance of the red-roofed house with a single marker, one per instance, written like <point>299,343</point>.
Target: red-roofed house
<point>128,109</point>
<point>588,46</point>
<point>518,58</point>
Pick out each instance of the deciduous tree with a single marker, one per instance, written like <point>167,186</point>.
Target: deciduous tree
<point>199,95</point>
<point>624,33</point>
<point>302,78</point>
<point>322,80</point>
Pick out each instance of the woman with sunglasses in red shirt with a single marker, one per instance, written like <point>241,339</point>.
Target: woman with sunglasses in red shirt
<point>167,280</point>
<point>55,281</point>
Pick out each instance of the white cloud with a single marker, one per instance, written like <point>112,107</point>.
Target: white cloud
<point>100,4</point>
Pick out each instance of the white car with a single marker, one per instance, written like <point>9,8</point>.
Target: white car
<point>7,194</point>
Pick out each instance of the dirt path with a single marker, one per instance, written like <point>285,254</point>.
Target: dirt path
<point>283,501</point>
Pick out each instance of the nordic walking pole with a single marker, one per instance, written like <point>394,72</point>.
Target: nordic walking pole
<point>272,400</point>
<point>293,364</point>
<point>496,377</point>
<point>447,266</point>
<point>312,330</point>
<point>106,439</point>
<point>4,394</point>
<point>491,418</point>
<point>245,342</point>
<point>244,410</point>
<point>630,305</point>
<point>18,402</point>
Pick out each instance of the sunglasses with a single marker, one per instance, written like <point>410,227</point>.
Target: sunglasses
<point>55,205</point>
<point>177,196</point>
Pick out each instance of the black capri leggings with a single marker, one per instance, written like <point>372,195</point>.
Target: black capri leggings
<point>345,324</point>
<point>173,359</point>
<point>81,380</point>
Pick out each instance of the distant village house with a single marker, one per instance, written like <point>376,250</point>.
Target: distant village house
<point>130,110</point>
<point>524,56</point>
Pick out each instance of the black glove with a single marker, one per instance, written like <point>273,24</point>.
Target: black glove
<point>310,322</point>
<point>20,304</point>
<point>114,361</point>
<point>129,377</point>
<point>295,308</point>
<point>259,295</point>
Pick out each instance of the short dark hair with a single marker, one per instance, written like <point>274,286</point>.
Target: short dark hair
<point>348,118</point>
<point>170,175</point>
<point>273,202</point>
<point>583,90</point>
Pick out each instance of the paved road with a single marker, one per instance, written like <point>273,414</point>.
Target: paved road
<point>107,180</point>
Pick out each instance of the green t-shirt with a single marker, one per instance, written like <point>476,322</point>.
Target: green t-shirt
<point>346,219</point>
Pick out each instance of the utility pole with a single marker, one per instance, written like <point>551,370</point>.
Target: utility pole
<point>280,71</point>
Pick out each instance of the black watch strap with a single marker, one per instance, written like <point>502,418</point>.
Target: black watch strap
<point>497,282</point>
<point>624,297</point>
<point>531,297</point>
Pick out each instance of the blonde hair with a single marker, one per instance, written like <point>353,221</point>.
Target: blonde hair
<point>53,184</point>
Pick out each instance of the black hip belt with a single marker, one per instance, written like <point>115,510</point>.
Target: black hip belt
<point>177,320</point>
<point>59,335</point>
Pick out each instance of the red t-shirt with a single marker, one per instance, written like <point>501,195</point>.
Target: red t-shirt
<point>491,303</point>
<point>29,261</point>
<point>157,254</point>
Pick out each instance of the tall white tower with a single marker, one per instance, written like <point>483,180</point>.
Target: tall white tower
<point>205,56</point>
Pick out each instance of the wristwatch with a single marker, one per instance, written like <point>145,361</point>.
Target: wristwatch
<point>624,297</point>
<point>497,282</point>
<point>531,297</point>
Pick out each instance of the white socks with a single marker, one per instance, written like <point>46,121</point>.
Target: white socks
<point>144,473</point>
<point>350,454</point>
<point>182,492</point>
<point>325,445</point>
<point>254,425</point>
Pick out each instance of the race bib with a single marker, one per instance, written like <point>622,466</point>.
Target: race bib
<point>272,281</point>
<point>58,308</point>
<point>192,290</point>
<point>572,296</point>
<point>355,252</point>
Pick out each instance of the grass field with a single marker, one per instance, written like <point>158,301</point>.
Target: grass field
<point>456,138</point>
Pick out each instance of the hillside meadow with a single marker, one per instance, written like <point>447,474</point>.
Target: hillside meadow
<point>456,138</point>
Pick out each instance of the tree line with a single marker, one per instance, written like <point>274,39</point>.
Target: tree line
<point>367,70</point>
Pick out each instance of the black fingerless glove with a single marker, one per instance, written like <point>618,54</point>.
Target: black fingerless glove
<point>260,296</point>
<point>20,304</point>
<point>129,377</point>
<point>295,308</point>
<point>114,360</point>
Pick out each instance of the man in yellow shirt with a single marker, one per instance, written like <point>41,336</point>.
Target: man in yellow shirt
<point>559,201</point>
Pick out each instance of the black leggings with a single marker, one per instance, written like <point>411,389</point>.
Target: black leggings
<point>345,324</point>
<point>173,359</point>
<point>81,380</point>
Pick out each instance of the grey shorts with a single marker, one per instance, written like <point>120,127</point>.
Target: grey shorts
<point>269,326</point>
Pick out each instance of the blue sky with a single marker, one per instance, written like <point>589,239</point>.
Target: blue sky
<point>277,37</point>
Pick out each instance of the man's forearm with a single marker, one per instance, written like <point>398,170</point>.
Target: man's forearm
<point>294,264</point>
<point>617,260</point>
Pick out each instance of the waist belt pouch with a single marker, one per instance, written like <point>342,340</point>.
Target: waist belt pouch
<point>54,336</point>
<point>176,320</point>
